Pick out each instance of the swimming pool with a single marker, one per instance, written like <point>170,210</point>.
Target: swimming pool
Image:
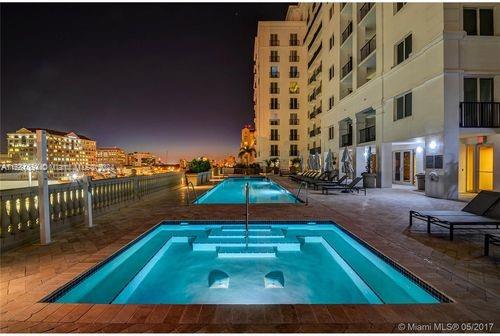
<point>213,262</point>
<point>232,191</point>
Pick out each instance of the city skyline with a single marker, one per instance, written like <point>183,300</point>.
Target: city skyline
<point>49,80</point>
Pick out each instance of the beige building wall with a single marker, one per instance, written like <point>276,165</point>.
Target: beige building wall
<point>287,88</point>
<point>366,93</point>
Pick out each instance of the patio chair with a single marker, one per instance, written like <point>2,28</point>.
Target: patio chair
<point>329,182</point>
<point>348,187</point>
<point>482,212</point>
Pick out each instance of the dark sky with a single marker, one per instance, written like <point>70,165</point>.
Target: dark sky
<point>153,77</point>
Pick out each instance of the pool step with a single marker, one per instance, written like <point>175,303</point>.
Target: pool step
<point>244,252</point>
<point>238,228</point>
<point>281,244</point>
<point>220,233</point>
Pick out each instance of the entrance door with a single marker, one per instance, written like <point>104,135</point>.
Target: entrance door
<point>403,167</point>
<point>485,173</point>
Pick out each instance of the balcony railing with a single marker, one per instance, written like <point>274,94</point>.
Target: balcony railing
<point>480,114</point>
<point>365,9</point>
<point>294,137</point>
<point>347,68</point>
<point>294,42</point>
<point>293,58</point>
<point>274,106</point>
<point>346,140</point>
<point>274,90</point>
<point>274,59</point>
<point>275,137</point>
<point>274,43</point>
<point>315,132</point>
<point>294,74</point>
<point>347,32</point>
<point>293,153</point>
<point>367,134</point>
<point>274,74</point>
<point>294,106</point>
<point>368,48</point>
<point>294,121</point>
<point>315,112</point>
<point>274,153</point>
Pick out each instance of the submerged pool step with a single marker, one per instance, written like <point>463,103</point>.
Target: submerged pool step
<point>272,233</point>
<point>238,228</point>
<point>212,244</point>
<point>244,252</point>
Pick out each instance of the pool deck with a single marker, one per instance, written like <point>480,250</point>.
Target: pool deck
<point>457,268</point>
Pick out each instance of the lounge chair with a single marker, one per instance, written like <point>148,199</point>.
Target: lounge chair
<point>297,177</point>
<point>330,182</point>
<point>311,175</point>
<point>482,212</point>
<point>490,239</point>
<point>321,177</point>
<point>348,187</point>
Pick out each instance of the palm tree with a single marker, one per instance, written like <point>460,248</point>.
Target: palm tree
<point>246,152</point>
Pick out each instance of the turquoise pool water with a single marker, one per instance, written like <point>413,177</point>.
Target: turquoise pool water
<point>215,263</point>
<point>232,191</point>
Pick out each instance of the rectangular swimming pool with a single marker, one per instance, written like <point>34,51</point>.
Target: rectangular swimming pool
<point>232,191</point>
<point>215,262</point>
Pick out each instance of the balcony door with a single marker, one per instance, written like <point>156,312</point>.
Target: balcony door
<point>478,89</point>
<point>402,167</point>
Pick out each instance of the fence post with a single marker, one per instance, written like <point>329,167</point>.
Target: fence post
<point>87,201</point>
<point>43,187</point>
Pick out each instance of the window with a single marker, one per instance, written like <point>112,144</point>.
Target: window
<point>294,103</point>
<point>330,12</point>
<point>332,41</point>
<point>331,101</point>
<point>398,6</point>
<point>294,57</point>
<point>294,72</point>
<point>274,104</point>
<point>274,88</point>
<point>478,21</point>
<point>478,90</point>
<point>294,151</point>
<point>330,133</point>
<point>294,40</point>
<point>274,150</point>
<point>274,122</point>
<point>274,40</point>
<point>274,73</point>
<point>403,49</point>
<point>274,135</point>
<point>294,135</point>
<point>293,119</point>
<point>274,56</point>
<point>403,106</point>
<point>331,72</point>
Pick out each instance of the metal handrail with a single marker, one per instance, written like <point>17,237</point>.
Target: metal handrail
<point>189,183</point>
<point>247,203</point>
<point>307,191</point>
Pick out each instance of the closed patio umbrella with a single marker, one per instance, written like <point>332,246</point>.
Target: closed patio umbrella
<point>347,163</point>
<point>329,161</point>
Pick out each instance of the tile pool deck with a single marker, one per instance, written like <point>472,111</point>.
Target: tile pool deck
<point>456,268</point>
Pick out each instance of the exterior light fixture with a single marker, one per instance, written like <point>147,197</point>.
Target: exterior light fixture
<point>433,145</point>
<point>419,149</point>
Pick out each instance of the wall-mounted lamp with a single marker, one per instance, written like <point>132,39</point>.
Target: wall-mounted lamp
<point>419,149</point>
<point>433,145</point>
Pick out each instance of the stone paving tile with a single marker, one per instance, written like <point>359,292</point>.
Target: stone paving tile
<point>457,268</point>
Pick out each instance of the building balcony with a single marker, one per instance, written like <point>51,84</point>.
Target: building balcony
<point>346,140</point>
<point>368,48</point>
<point>315,132</point>
<point>274,74</point>
<point>294,137</point>
<point>274,153</point>
<point>480,114</point>
<point>274,43</point>
<point>275,138</point>
<point>293,153</point>
<point>347,32</point>
<point>274,90</point>
<point>293,58</point>
<point>274,59</point>
<point>293,121</point>
<point>274,106</point>
<point>293,106</point>
<point>367,134</point>
<point>294,74</point>
<point>365,9</point>
<point>294,42</point>
<point>347,68</point>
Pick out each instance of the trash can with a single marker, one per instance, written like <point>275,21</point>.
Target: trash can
<point>420,181</point>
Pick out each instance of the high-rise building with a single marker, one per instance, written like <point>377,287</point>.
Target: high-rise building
<point>415,84</point>
<point>111,156</point>
<point>141,159</point>
<point>280,88</point>
<point>63,148</point>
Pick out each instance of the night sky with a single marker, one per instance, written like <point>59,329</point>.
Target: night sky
<point>144,77</point>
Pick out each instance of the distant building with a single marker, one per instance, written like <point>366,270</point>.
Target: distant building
<point>111,156</point>
<point>63,148</point>
<point>183,163</point>
<point>248,140</point>
<point>141,159</point>
<point>230,161</point>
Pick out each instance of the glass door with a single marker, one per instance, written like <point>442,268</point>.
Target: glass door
<point>403,167</point>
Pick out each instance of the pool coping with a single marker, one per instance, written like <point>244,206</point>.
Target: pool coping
<point>440,296</point>
<point>300,200</point>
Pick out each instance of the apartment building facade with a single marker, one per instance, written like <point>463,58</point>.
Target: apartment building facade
<point>139,159</point>
<point>280,87</point>
<point>111,156</point>
<point>63,148</point>
<point>415,84</point>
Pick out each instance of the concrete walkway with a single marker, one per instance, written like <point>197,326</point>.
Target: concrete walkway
<point>456,268</point>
